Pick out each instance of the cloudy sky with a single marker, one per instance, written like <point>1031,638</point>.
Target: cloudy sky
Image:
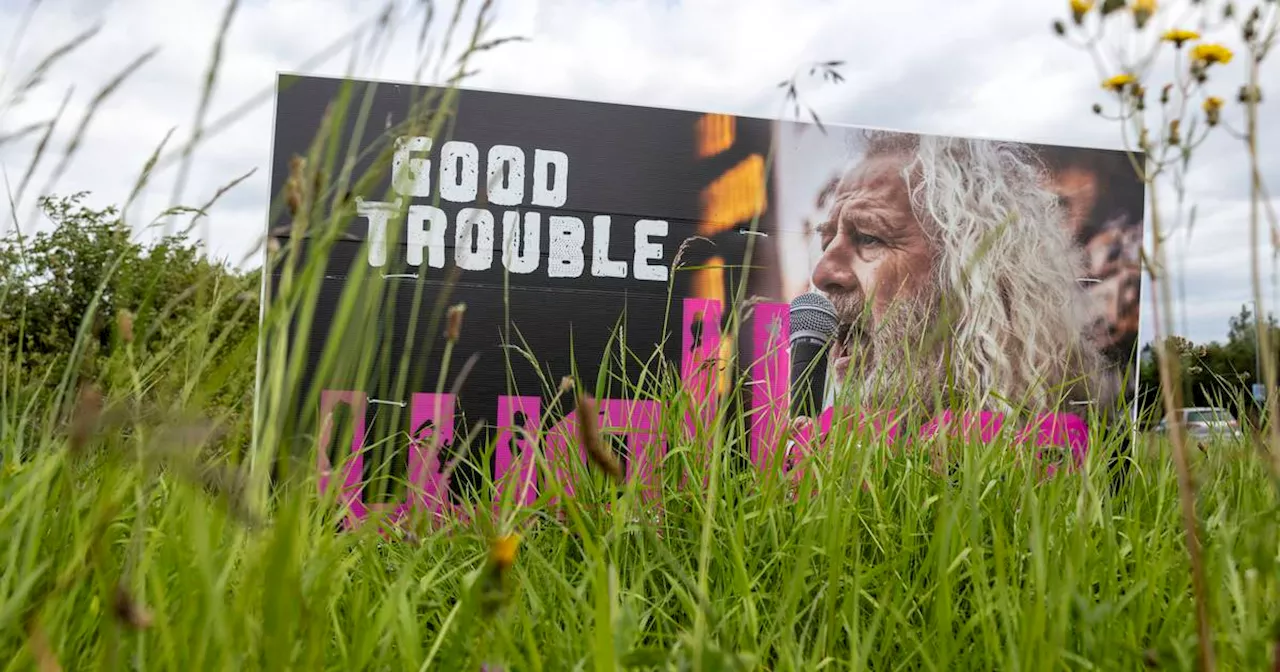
<point>979,68</point>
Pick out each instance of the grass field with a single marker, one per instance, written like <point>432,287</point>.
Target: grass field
<point>138,528</point>
<point>126,545</point>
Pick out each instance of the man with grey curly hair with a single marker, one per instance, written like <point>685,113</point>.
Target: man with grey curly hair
<point>955,282</point>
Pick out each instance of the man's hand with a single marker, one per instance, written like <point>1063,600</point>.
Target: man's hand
<point>801,425</point>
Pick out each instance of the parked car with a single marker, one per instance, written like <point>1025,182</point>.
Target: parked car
<point>1205,423</point>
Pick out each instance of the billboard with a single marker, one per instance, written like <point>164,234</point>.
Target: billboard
<point>585,239</point>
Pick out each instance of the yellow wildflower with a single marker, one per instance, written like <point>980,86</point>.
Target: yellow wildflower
<point>1179,36</point>
<point>1209,54</point>
<point>503,550</point>
<point>1142,11</point>
<point>1212,109</point>
<point>1119,82</point>
<point>1079,8</point>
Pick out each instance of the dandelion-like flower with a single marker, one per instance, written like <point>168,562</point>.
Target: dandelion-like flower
<point>1212,109</point>
<point>1119,82</point>
<point>503,550</point>
<point>491,585</point>
<point>1211,54</point>
<point>1142,11</point>
<point>1079,8</point>
<point>1179,36</point>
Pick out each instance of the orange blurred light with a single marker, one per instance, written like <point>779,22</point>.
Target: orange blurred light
<point>737,195</point>
<point>708,283</point>
<point>715,134</point>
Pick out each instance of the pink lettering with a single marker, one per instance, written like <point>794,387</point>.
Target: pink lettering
<point>515,414</point>
<point>700,360</point>
<point>988,425</point>
<point>349,495</point>
<point>432,417</point>
<point>635,421</point>
<point>558,440</point>
<point>770,380</point>
<point>1056,432</point>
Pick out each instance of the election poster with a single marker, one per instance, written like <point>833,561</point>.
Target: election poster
<point>589,240</point>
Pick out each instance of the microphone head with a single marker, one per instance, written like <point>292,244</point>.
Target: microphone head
<point>813,315</point>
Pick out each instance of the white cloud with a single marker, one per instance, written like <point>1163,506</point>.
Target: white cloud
<point>982,68</point>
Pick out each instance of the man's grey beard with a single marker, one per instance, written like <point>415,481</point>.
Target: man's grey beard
<point>896,362</point>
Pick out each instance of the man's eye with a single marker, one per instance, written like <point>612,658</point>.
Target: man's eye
<point>864,240</point>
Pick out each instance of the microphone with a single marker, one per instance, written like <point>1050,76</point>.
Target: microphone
<point>813,323</point>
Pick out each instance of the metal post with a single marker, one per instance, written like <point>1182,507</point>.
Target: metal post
<point>1257,351</point>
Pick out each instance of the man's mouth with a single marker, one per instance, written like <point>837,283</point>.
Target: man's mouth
<point>849,338</point>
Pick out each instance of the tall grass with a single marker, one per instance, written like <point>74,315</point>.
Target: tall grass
<point>143,525</point>
<point>877,562</point>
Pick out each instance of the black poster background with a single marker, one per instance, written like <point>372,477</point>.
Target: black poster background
<point>628,162</point>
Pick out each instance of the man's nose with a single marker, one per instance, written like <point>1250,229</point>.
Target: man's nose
<point>834,271</point>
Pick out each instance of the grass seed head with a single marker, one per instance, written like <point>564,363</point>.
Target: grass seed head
<point>294,196</point>
<point>453,324</point>
<point>589,434</point>
<point>38,641</point>
<point>124,322</point>
<point>129,612</point>
<point>84,419</point>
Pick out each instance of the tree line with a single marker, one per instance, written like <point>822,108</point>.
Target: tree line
<point>1218,373</point>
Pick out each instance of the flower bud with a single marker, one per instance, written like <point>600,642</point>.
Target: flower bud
<point>124,322</point>
<point>1249,94</point>
<point>1212,110</point>
<point>453,322</point>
